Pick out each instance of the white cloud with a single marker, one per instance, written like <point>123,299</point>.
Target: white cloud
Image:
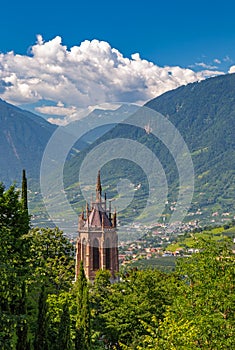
<point>205,65</point>
<point>86,75</point>
<point>217,61</point>
<point>59,109</point>
<point>232,69</point>
<point>68,118</point>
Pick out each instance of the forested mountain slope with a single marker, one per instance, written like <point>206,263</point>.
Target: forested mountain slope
<point>204,114</point>
<point>23,137</point>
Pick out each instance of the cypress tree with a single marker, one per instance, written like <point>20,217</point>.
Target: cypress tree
<point>41,339</point>
<point>64,339</point>
<point>24,194</point>
<point>81,284</point>
<point>22,325</point>
<point>24,202</point>
<point>85,320</point>
<point>21,308</point>
<point>83,338</point>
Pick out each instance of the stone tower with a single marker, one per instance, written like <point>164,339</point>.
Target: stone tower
<point>97,242</point>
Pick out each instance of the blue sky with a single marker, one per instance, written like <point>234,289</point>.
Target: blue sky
<point>165,32</point>
<point>197,35</point>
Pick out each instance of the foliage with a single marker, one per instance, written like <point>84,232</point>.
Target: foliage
<point>202,314</point>
<point>60,317</point>
<point>28,261</point>
<point>99,293</point>
<point>190,308</point>
<point>190,239</point>
<point>83,326</point>
<point>51,258</point>
<point>14,223</point>
<point>64,339</point>
<point>24,194</point>
<point>51,264</point>
<point>41,337</point>
<point>165,264</point>
<point>22,325</point>
<point>123,306</point>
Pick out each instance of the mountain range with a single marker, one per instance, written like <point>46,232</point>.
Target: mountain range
<point>203,113</point>
<point>23,138</point>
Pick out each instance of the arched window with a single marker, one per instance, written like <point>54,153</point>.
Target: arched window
<point>84,251</point>
<point>107,254</point>
<point>96,254</point>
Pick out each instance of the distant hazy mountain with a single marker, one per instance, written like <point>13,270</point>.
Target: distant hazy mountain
<point>23,137</point>
<point>204,114</point>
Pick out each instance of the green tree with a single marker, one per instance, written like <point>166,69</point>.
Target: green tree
<point>83,326</point>
<point>14,223</point>
<point>126,306</point>
<point>100,290</point>
<point>202,314</point>
<point>22,324</point>
<point>11,212</point>
<point>51,263</point>
<point>61,320</point>
<point>9,290</point>
<point>64,341</point>
<point>51,258</point>
<point>28,260</point>
<point>41,336</point>
<point>24,193</point>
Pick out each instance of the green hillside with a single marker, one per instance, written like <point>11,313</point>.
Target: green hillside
<point>23,138</point>
<point>204,114</point>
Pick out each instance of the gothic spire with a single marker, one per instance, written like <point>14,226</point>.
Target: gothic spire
<point>98,188</point>
<point>115,218</point>
<point>87,211</point>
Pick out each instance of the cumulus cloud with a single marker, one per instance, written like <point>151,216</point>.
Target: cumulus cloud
<point>86,75</point>
<point>79,113</point>
<point>59,109</point>
<point>232,69</point>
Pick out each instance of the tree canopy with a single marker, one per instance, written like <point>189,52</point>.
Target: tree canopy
<point>42,307</point>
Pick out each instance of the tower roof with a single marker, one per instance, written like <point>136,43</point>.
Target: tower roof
<point>98,217</point>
